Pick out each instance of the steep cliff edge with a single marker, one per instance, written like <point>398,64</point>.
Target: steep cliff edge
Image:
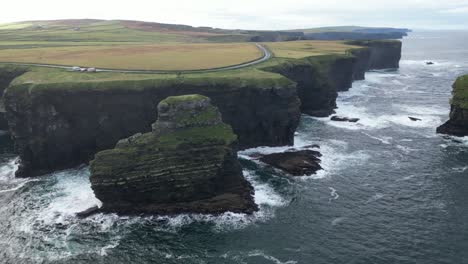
<point>187,164</point>
<point>457,125</point>
<point>60,125</point>
<point>7,74</point>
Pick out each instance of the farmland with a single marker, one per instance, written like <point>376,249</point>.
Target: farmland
<point>134,45</point>
<point>307,48</point>
<point>138,57</point>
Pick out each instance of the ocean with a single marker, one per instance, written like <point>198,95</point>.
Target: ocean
<point>392,190</point>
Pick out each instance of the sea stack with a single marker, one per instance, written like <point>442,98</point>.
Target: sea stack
<point>458,122</point>
<point>187,164</point>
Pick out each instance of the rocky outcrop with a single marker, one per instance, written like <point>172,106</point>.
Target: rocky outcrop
<point>344,119</point>
<point>187,164</point>
<point>296,163</point>
<point>457,125</point>
<point>57,126</point>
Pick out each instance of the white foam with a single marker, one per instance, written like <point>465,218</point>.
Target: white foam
<point>74,195</point>
<point>333,193</point>
<point>259,253</point>
<point>338,220</point>
<point>7,177</point>
<point>383,140</point>
<point>375,198</point>
<point>460,169</point>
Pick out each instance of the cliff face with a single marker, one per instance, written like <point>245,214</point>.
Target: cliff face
<point>384,54</point>
<point>57,127</point>
<point>457,125</point>
<point>318,81</point>
<point>187,164</point>
<point>7,74</point>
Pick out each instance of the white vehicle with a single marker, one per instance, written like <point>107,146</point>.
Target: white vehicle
<point>76,69</point>
<point>91,69</point>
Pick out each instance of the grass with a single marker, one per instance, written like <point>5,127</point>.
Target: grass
<point>460,92</point>
<point>308,48</point>
<point>255,76</point>
<point>138,57</point>
<point>110,31</point>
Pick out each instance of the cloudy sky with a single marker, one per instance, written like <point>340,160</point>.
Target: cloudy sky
<point>252,14</point>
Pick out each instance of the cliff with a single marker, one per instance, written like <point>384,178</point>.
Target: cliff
<point>318,80</point>
<point>384,54</point>
<point>187,164</point>
<point>355,35</point>
<point>60,125</point>
<point>59,119</point>
<point>7,74</point>
<point>457,125</point>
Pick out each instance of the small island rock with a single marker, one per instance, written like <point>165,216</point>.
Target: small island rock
<point>296,163</point>
<point>187,164</point>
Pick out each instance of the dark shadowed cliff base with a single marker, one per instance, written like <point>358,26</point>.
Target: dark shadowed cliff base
<point>61,125</point>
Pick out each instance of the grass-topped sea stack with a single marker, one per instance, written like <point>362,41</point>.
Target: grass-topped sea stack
<point>187,164</point>
<point>458,123</point>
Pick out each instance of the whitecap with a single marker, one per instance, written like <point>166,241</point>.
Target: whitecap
<point>333,193</point>
<point>259,253</point>
<point>338,221</point>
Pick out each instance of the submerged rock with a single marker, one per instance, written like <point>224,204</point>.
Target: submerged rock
<point>457,125</point>
<point>414,118</point>
<point>344,119</point>
<point>296,163</point>
<point>187,164</point>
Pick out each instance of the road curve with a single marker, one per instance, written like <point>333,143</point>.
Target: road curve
<point>266,56</point>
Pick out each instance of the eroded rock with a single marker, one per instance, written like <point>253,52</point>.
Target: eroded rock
<point>296,163</point>
<point>187,164</point>
<point>344,119</point>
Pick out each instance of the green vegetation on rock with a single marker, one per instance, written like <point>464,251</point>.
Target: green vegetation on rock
<point>460,92</point>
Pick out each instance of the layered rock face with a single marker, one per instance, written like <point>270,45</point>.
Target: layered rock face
<point>457,125</point>
<point>187,164</point>
<point>64,125</point>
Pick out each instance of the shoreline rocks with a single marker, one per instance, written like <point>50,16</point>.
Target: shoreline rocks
<point>344,119</point>
<point>295,162</point>
<point>187,164</point>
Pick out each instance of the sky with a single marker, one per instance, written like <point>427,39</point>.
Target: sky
<point>251,14</point>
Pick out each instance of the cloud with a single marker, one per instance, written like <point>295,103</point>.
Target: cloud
<point>458,10</point>
<point>250,14</point>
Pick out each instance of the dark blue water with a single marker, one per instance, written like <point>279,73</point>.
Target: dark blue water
<point>392,190</point>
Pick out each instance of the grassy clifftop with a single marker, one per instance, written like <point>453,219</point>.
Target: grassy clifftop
<point>460,92</point>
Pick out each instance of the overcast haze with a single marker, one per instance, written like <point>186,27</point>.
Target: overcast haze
<point>252,14</point>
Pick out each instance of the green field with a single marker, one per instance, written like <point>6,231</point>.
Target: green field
<point>131,45</point>
<point>307,48</point>
<point>138,57</point>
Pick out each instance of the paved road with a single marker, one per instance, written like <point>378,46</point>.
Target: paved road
<point>265,57</point>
